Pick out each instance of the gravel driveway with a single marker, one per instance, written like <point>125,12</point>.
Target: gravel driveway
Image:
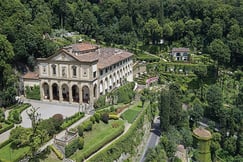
<point>47,110</point>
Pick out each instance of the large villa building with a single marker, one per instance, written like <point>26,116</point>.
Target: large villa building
<point>80,73</point>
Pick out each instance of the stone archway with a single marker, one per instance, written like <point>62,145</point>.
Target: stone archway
<point>75,93</point>
<point>55,91</point>
<point>95,90</point>
<point>46,91</point>
<point>85,94</point>
<point>65,92</point>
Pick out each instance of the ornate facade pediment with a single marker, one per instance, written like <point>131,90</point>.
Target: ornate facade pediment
<point>62,56</point>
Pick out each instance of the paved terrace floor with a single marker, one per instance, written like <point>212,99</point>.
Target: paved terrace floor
<point>47,110</point>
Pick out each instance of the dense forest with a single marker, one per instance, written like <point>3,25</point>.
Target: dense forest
<point>214,27</point>
<point>205,26</point>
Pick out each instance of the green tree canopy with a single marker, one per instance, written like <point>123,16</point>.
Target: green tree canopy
<point>153,30</point>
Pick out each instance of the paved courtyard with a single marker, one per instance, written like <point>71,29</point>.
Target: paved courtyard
<point>47,110</point>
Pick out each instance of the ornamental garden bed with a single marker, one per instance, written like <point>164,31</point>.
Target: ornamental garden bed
<point>100,135</point>
<point>15,113</point>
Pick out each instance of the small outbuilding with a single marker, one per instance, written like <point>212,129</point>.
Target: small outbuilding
<point>180,54</point>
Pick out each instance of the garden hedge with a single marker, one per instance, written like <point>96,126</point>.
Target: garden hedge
<point>57,152</point>
<point>72,147</point>
<point>72,119</point>
<point>11,125</point>
<point>17,110</point>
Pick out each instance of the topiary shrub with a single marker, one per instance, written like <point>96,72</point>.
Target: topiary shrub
<point>58,117</point>
<point>114,117</point>
<point>97,117</point>
<point>92,119</point>
<point>80,130</point>
<point>80,143</point>
<point>57,121</point>
<point>87,125</point>
<point>105,118</point>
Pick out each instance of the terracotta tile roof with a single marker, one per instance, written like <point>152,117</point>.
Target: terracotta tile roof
<point>104,56</point>
<point>202,133</point>
<point>31,75</point>
<point>110,56</point>
<point>180,50</point>
<point>79,47</point>
<point>87,57</point>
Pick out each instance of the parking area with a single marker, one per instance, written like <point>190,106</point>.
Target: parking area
<point>47,110</point>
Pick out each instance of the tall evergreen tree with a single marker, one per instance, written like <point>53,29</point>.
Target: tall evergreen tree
<point>214,100</point>
<point>164,110</point>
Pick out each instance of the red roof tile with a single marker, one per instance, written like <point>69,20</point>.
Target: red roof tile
<point>31,75</point>
<point>110,56</point>
<point>79,47</point>
<point>87,57</point>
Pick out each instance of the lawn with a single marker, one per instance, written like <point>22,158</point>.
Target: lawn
<point>131,114</point>
<point>8,155</point>
<point>100,135</point>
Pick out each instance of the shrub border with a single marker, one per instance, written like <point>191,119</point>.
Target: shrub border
<point>57,152</point>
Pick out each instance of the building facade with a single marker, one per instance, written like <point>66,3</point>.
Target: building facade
<point>180,54</point>
<point>80,73</point>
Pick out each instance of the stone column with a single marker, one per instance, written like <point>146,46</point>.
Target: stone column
<point>80,94</point>
<point>91,94</point>
<point>50,92</point>
<point>41,92</point>
<point>69,72</point>
<point>70,93</point>
<point>60,93</point>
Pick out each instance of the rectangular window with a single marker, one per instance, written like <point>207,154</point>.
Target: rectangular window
<point>74,71</point>
<point>53,69</point>
<point>106,70</point>
<point>101,72</point>
<point>94,74</point>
